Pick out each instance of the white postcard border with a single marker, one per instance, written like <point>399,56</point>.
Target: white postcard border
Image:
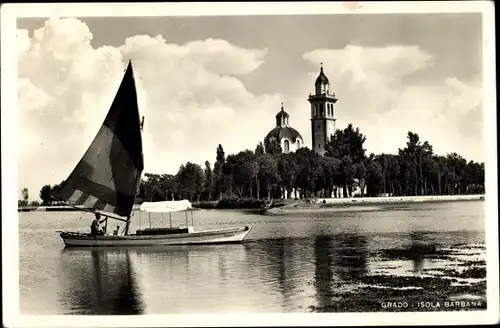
<point>10,134</point>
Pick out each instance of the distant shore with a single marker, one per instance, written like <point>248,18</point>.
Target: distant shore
<point>294,206</point>
<point>331,204</point>
<point>50,208</point>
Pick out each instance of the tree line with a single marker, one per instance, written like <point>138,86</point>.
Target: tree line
<point>267,172</point>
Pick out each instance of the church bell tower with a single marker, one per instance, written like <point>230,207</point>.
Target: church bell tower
<point>322,113</point>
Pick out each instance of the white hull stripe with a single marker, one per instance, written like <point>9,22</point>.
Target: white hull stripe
<point>192,238</point>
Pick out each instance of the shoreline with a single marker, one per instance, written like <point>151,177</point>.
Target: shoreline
<point>334,204</point>
<point>301,206</point>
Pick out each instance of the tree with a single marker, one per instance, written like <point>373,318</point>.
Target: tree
<point>226,179</point>
<point>347,142</point>
<point>272,146</point>
<point>360,174</point>
<point>208,181</point>
<point>46,194</point>
<point>383,161</point>
<point>153,190</point>
<point>374,178</point>
<point>268,172</point>
<point>259,150</point>
<point>56,188</point>
<point>331,175</point>
<point>25,194</point>
<point>347,173</point>
<point>287,171</point>
<point>241,170</point>
<point>168,186</point>
<point>347,146</point>
<point>190,181</point>
<point>309,170</point>
<point>218,178</point>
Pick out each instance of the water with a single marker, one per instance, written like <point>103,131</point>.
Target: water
<point>347,260</point>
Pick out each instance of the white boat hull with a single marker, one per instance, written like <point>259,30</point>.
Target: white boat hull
<point>219,236</point>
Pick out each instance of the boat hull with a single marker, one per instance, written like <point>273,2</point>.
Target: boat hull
<point>219,236</point>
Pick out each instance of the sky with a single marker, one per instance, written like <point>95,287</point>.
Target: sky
<point>204,81</point>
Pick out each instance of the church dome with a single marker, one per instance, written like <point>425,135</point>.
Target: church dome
<point>286,132</point>
<point>287,137</point>
<point>282,113</point>
<point>322,79</point>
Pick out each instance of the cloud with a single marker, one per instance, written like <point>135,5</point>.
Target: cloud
<point>379,92</point>
<point>190,95</point>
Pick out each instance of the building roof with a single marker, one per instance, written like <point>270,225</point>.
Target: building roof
<point>282,112</point>
<point>322,79</point>
<point>281,132</point>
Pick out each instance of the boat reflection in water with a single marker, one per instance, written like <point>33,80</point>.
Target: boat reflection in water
<point>194,278</point>
<point>156,279</point>
<point>98,281</point>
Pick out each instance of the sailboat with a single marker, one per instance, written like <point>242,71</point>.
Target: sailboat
<point>106,180</point>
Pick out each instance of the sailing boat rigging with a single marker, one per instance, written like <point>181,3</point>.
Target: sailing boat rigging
<point>107,176</point>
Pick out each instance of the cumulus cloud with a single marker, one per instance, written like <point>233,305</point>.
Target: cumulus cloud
<point>377,93</point>
<point>190,95</point>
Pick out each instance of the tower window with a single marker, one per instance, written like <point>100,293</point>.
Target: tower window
<point>319,146</point>
<point>319,127</point>
<point>315,110</point>
<point>321,110</point>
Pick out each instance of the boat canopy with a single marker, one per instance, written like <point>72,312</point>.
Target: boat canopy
<point>166,206</point>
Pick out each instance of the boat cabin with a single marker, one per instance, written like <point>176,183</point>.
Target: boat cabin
<point>164,207</point>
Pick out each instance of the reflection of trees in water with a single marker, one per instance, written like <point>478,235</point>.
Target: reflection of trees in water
<point>420,247</point>
<point>351,256</point>
<point>342,256</point>
<point>323,273</point>
<point>285,263</point>
<point>98,282</point>
<point>339,257</point>
<point>274,255</point>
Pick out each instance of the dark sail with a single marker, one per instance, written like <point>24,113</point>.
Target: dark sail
<point>107,176</point>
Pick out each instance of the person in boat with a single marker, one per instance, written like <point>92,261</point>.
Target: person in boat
<point>115,233</point>
<point>94,228</point>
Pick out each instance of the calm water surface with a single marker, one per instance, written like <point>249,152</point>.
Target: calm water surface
<point>292,263</point>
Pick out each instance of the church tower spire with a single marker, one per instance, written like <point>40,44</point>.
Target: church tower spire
<point>322,112</point>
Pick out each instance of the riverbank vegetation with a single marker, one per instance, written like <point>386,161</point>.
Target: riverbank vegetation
<point>267,173</point>
<point>246,178</point>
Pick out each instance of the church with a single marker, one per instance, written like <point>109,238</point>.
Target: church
<point>322,120</point>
